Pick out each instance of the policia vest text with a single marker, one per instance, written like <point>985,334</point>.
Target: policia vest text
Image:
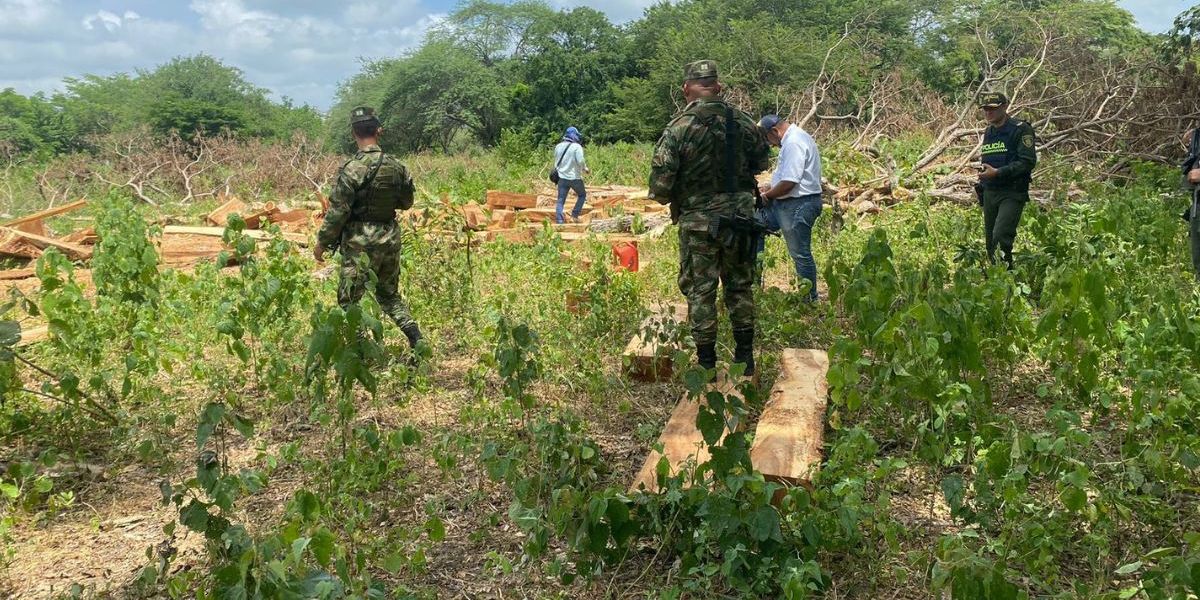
<point>1001,146</point>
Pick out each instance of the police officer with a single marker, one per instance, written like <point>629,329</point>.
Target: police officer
<point>1008,156</point>
<point>361,223</point>
<point>704,167</point>
<point>1191,183</point>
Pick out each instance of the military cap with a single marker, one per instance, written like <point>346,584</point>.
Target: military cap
<point>362,114</point>
<point>700,70</point>
<point>992,100</point>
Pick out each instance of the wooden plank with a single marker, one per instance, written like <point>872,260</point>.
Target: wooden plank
<point>499,199</point>
<point>646,357</point>
<point>503,219</point>
<point>17,274</point>
<point>295,238</point>
<point>220,215</point>
<point>73,251</point>
<point>475,218</point>
<point>86,236</point>
<point>681,440</point>
<point>33,335</point>
<point>34,227</point>
<point>46,214</point>
<point>791,432</point>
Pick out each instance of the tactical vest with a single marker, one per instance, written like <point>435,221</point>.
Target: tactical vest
<point>719,163</point>
<point>384,190</point>
<point>1000,149</point>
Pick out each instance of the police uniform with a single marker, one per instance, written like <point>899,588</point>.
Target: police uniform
<point>1011,150</point>
<point>361,223</point>
<point>704,167</point>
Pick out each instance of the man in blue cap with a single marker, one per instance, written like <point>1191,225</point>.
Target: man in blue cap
<point>571,167</point>
<point>793,198</point>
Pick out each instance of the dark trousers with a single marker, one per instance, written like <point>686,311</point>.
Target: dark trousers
<point>1001,216</point>
<point>1194,232</point>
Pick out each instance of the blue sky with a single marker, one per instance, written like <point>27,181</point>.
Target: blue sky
<point>296,48</point>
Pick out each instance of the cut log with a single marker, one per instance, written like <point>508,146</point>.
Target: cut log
<point>649,355</point>
<point>220,216</point>
<point>498,199</point>
<point>503,219</point>
<point>17,274</point>
<point>516,236</point>
<point>35,227</point>
<point>85,237</point>
<point>255,219</point>
<point>295,238</point>
<point>681,440</point>
<point>15,247</point>
<point>473,213</point>
<point>791,432</point>
<point>45,214</point>
<point>33,335</point>
<point>73,251</point>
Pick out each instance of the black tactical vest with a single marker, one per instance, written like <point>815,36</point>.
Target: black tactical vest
<point>382,192</point>
<point>1000,149</point>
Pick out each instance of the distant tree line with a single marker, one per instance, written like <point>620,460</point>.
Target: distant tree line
<point>526,71</point>
<point>185,96</point>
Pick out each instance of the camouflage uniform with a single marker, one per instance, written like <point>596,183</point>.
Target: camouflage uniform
<point>361,223</point>
<point>689,172</point>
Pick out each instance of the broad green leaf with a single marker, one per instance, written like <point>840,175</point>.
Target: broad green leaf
<point>322,546</point>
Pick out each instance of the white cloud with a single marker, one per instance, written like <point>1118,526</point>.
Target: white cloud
<point>105,19</point>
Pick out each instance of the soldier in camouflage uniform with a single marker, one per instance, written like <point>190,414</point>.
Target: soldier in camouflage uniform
<point>704,167</point>
<point>361,223</point>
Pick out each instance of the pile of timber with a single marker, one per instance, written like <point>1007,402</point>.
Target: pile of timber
<point>516,217</point>
<point>27,237</point>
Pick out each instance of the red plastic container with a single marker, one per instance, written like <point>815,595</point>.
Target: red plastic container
<point>625,254</point>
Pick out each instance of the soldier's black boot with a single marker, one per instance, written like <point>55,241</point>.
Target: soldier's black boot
<point>706,355</point>
<point>413,333</point>
<point>744,350</point>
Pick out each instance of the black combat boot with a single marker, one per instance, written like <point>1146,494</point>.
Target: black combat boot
<point>706,355</point>
<point>413,333</point>
<point>744,351</point>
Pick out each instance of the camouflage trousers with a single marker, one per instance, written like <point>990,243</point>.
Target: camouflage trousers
<point>384,262</point>
<point>703,262</point>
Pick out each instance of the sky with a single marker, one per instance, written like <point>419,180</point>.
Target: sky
<point>299,49</point>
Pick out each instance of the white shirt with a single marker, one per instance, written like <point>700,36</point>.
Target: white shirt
<point>799,162</point>
<point>572,164</point>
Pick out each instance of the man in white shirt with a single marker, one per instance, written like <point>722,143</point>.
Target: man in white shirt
<point>571,166</point>
<point>794,195</point>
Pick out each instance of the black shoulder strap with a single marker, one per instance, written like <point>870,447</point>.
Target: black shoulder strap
<point>563,156</point>
<point>732,137</point>
<point>370,178</point>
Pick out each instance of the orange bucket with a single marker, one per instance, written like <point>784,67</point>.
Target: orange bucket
<point>625,255</point>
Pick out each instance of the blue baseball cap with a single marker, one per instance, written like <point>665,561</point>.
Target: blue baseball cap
<point>769,121</point>
<point>572,134</point>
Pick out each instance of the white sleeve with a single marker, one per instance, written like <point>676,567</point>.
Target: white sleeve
<point>579,160</point>
<point>792,159</point>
